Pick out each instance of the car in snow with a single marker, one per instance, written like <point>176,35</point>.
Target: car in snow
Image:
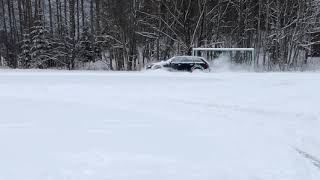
<point>182,63</point>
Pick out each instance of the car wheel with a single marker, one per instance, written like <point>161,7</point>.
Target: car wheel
<point>197,69</point>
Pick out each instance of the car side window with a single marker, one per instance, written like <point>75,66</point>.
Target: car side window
<point>198,60</point>
<point>176,60</point>
<point>188,60</point>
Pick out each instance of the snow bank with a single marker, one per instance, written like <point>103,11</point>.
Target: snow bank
<point>121,126</point>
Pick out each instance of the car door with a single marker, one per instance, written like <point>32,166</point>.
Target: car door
<point>190,62</point>
<point>176,63</point>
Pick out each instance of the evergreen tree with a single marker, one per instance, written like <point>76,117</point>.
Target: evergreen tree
<point>40,49</point>
<point>24,56</point>
<point>85,47</point>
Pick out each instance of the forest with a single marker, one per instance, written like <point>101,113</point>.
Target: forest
<point>128,34</point>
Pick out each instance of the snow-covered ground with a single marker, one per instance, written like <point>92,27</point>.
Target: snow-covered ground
<point>158,126</point>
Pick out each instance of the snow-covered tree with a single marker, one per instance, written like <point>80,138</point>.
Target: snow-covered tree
<point>25,55</point>
<point>40,44</point>
<point>283,32</point>
<point>85,47</point>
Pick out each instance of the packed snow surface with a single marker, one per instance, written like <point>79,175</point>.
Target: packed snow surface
<point>158,126</point>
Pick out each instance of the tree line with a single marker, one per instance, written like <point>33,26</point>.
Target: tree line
<point>127,34</point>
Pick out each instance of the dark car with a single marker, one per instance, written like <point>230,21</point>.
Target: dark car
<point>182,63</point>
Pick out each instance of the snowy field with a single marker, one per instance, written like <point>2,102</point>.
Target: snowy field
<point>158,126</point>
